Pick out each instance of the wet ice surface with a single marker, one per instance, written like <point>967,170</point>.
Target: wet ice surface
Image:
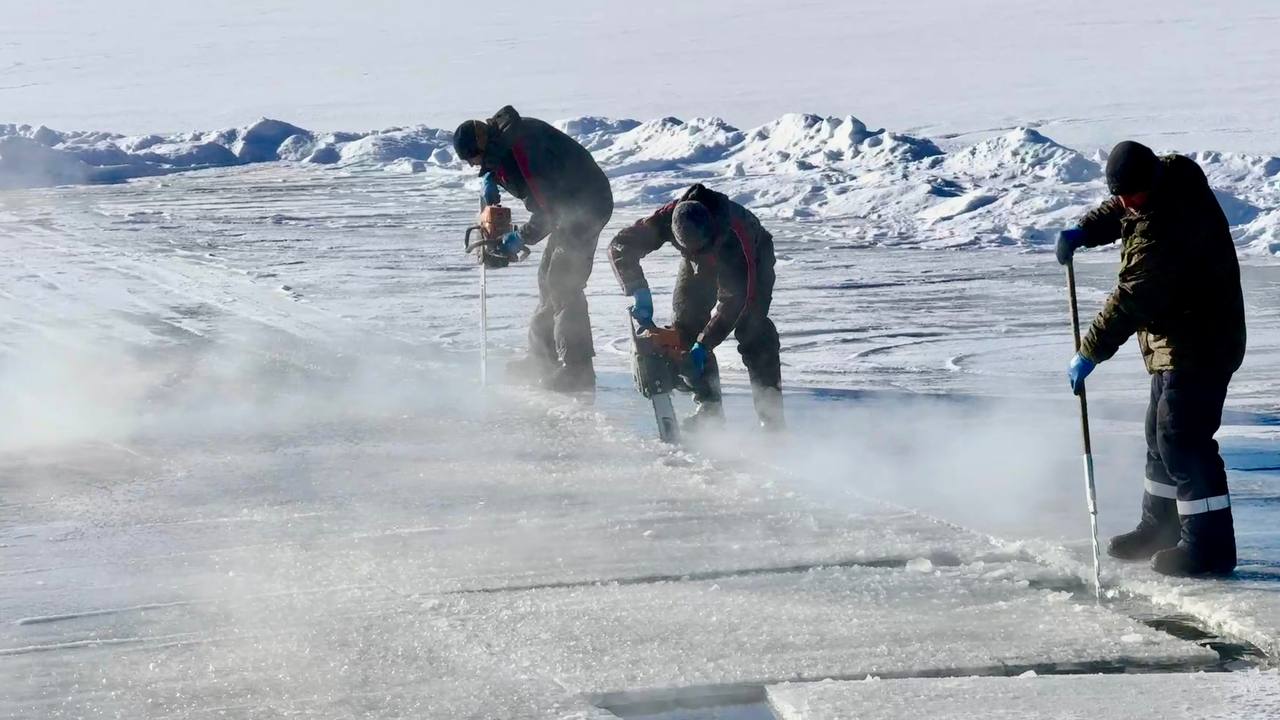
<point>329,583</point>
<point>1012,469</point>
<point>246,470</point>
<point>1237,695</point>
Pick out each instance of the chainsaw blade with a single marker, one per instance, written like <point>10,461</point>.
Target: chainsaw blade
<point>665,414</point>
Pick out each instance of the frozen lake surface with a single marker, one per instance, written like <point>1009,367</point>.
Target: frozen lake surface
<point>248,472</point>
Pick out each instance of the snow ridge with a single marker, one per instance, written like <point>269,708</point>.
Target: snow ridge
<point>1017,188</point>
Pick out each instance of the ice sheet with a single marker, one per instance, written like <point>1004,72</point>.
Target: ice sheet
<point>1203,695</point>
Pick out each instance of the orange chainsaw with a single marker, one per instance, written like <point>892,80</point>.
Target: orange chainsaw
<point>493,224</point>
<point>657,358</point>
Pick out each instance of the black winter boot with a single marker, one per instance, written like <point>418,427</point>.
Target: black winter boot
<point>579,377</point>
<point>1207,547</point>
<point>1158,530</point>
<point>530,369</point>
<point>706,414</point>
<point>768,404</point>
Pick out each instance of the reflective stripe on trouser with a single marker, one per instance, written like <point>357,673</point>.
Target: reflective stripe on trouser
<point>1199,507</point>
<point>1184,414</point>
<point>1161,490</point>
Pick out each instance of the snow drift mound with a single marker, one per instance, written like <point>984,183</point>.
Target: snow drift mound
<point>41,156</point>
<point>1239,168</point>
<point>668,144</point>
<point>25,162</point>
<point>793,143</point>
<point>801,142</point>
<point>888,149</point>
<point>1262,236</point>
<point>1021,154</point>
<point>595,133</point>
<point>386,147</point>
<point>261,141</point>
<point>185,155</point>
<point>807,140</point>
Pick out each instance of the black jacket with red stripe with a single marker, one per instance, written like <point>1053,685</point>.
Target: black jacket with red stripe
<point>558,179</point>
<point>742,248</point>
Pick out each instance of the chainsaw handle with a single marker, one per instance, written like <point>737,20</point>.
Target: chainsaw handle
<point>488,245</point>
<point>521,254</point>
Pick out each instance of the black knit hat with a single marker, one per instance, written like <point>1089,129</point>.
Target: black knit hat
<point>469,139</point>
<point>1131,168</point>
<point>691,226</point>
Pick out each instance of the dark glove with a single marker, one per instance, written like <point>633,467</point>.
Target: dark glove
<point>1068,241</point>
<point>1078,370</point>
<point>642,307</point>
<point>511,243</point>
<point>698,359</point>
<point>489,190</point>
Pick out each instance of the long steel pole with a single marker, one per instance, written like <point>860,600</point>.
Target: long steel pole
<point>1091,491</point>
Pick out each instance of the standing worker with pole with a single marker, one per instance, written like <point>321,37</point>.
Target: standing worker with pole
<point>569,200</point>
<point>1179,290</point>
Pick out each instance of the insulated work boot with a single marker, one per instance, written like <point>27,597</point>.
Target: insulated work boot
<point>1158,530</point>
<point>707,414</point>
<point>1207,547</point>
<point>768,404</point>
<point>1143,542</point>
<point>530,369</point>
<point>575,378</point>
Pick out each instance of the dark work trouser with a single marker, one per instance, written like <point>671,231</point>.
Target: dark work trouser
<point>1186,477</point>
<point>560,330</point>
<point>695,297</point>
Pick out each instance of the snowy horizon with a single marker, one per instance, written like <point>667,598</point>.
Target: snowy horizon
<point>1015,188</point>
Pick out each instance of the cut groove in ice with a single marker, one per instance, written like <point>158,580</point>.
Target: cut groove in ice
<point>940,559</point>
<point>727,702</point>
<point>1234,653</point>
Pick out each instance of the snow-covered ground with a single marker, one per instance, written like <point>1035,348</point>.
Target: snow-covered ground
<point>248,472</point>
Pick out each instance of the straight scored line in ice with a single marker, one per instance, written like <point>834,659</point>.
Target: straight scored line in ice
<point>1090,490</point>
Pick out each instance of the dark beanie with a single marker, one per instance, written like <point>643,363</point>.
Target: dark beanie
<point>691,226</point>
<point>469,139</point>
<point>1131,168</point>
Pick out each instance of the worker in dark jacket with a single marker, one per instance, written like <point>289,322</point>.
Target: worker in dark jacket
<point>1179,290</point>
<point>568,197</point>
<point>725,285</point>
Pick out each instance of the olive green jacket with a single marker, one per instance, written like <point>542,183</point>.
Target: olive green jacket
<point>1179,285</point>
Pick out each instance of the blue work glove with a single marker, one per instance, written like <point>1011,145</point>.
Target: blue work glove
<point>489,190</point>
<point>511,243</point>
<point>1068,241</point>
<point>642,307</point>
<point>698,359</point>
<point>1078,370</point>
